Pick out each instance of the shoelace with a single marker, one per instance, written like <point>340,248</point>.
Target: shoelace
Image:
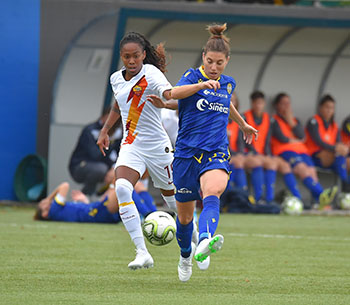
<point>186,262</point>
<point>140,252</point>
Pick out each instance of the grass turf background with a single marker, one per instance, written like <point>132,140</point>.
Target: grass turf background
<point>265,260</point>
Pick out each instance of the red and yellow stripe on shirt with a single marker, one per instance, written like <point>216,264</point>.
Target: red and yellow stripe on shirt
<point>135,110</point>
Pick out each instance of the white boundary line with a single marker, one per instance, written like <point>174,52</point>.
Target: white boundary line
<point>25,225</point>
<point>282,236</point>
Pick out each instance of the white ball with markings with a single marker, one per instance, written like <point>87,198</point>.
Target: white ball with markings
<point>292,205</point>
<point>159,228</point>
<point>344,201</point>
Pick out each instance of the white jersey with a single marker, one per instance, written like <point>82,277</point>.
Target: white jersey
<point>170,121</point>
<point>142,123</point>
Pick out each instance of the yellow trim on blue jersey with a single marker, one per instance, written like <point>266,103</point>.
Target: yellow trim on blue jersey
<point>59,202</point>
<point>93,212</point>
<point>199,160</point>
<point>201,70</point>
<point>126,203</point>
<point>187,74</point>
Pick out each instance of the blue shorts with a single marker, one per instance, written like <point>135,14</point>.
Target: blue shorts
<point>187,171</point>
<point>318,163</point>
<point>295,158</point>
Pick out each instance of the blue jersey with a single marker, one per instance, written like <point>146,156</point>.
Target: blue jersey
<point>81,212</point>
<point>203,116</point>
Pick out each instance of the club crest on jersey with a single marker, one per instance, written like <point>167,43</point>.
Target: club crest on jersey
<point>229,88</point>
<point>137,90</point>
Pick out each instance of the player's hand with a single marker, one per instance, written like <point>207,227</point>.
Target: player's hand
<point>210,84</point>
<point>248,133</point>
<point>103,142</point>
<point>295,141</point>
<point>341,149</point>
<point>156,101</point>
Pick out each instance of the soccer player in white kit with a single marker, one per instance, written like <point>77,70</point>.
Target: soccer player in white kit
<point>145,144</point>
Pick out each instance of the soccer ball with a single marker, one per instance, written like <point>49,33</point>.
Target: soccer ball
<point>344,201</point>
<point>292,205</point>
<point>159,228</point>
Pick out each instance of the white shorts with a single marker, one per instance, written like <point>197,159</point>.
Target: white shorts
<point>158,162</point>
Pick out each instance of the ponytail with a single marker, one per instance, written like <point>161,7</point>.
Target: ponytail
<point>217,42</point>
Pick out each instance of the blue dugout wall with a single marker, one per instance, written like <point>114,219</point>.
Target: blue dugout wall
<point>19,65</point>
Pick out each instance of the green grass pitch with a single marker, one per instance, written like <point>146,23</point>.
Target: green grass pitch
<point>264,260</point>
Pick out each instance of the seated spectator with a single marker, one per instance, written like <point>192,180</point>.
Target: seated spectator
<point>324,142</point>
<point>345,137</point>
<point>261,148</point>
<point>87,165</point>
<point>56,208</point>
<point>240,161</point>
<point>287,141</point>
<point>345,132</point>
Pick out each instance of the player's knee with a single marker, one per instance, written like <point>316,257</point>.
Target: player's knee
<point>123,188</point>
<point>284,168</point>
<point>301,170</point>
<point>214,190</point>
<point>185,219</point>
<point>270,164</point>
<point>253,162</point>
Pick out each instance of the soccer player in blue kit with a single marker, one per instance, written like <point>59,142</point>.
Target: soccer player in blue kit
<point>201,150</point>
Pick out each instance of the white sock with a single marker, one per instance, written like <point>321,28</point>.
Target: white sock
<point>60,199</point>
<point>129,213</point>
<point>171,202</point>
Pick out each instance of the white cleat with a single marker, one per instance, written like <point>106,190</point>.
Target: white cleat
<point>207,247</point>
<point>142,260</point>
<point>204,265</point>
<point>185,266</point>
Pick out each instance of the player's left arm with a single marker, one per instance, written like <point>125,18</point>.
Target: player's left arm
<point>248,131</point>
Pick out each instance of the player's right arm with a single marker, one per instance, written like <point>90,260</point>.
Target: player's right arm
<point>103,138</point>
<point>181,92</point>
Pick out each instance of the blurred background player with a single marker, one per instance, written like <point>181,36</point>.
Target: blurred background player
<point>240,160</point>
<point>55,207</point>
<point>87,165</point>
<point>201,150</point>
<point>145,144</point>
<point>345,137</point>
<point>288,142</point>
<point>261,150</point>
<point>323,140</point>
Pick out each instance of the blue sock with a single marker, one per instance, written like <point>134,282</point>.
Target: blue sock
<point>148,201</point>
<point>339,167</point>
<point>240,179</point>
<point>315,187</point>
<point>184,237</point>
<point>141,207</point>
<point>209,218</point>
<point>270,179</point>
<point>258,182</point>
<point>291,183</point>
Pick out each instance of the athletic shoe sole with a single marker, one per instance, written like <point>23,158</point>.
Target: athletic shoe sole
<point>213,246</point>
